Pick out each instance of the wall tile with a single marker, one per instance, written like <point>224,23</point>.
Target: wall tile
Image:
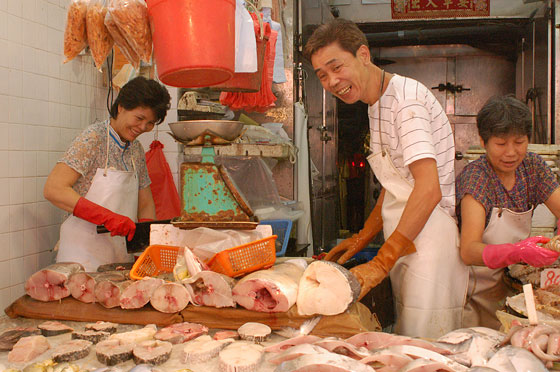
<point>4,5</point>
<point>54,114</point>
<point>16,292</point>
<point>5,273</point>
<point>4,133</point>
<point>4,163</point>
<point>17,273</point>
<point>16,137</point>
<point>45,258</point>
<point>4,77</point>
<point>53,61</point>
<point>15,55</point>
<point>5,55</point>
<point>4,192</point>
<point>14,7</point>
<point>15,82</point>
<point>15,115</point>
<point>16,244</point>
<point>28,11</point>
<point>42,139</point>
<point>5,293</point>
<point>42,164</point>
<point>29,266</point>
<point>4,248</point>
<point>30,242</point>
<point>40,185</point>
<point>54,138</point>
<point>29,36</point>
<point>43,214</point>
<point>3,24</point>
<point>15,27</point>
<point>41,12</point>
<point>16,217</point>
<point>4,219</point>
<point>16,190</point>
<point>43,61</point>
<point>4,108</point>
<point>29,189</point>
<point>30,142</point>
<point>15,164</point>
<point>29,216</point>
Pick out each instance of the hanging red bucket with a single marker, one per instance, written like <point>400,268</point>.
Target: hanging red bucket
<point>194,41</point>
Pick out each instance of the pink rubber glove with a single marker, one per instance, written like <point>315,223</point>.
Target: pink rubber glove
<point>117,224</point>
<point>501,255</point>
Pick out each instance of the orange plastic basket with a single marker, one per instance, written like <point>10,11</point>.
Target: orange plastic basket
<point>156,259</point>
<point>245,258</point>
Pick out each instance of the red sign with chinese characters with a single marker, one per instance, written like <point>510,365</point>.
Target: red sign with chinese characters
<point>401,9</point>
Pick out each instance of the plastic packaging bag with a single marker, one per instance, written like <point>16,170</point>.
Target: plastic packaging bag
<point>99,39</point>
<point>75,35</point>
<point>128,52</point>
<point>166,198</point>
<point>132,18</point>
<point>245,42</point>
<point>264,98</point>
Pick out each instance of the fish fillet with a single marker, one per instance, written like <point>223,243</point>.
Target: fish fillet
<point>326,288</point>
<point>272,290</point>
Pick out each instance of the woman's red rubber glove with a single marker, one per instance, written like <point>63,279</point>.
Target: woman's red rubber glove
<point>117,224</point>
<point>496,256</point>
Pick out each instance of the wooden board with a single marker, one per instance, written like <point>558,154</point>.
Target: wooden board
<point>357,319</point>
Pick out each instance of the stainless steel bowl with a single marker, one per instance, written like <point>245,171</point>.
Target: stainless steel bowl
<point>188,130</point>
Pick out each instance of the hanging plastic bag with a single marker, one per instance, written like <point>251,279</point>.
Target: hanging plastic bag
<point>132,18</point>
<point>99,39</point>
<point>279,75</point>
<point>128,52</point>
<point>264,98</point>
<point>245,42</point>
<point>163,188</point>
<point>75,35</point>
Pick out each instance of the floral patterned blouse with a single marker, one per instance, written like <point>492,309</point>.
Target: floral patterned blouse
<point>88,152</point>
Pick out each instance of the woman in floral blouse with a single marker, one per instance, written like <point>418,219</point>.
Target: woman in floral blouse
<point>102,178</point>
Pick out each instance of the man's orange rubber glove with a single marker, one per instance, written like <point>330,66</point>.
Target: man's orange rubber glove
<point>373,272</point>
<point>349,247</point>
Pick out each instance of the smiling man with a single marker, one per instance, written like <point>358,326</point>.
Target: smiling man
<point>412,155</point>
<point>496,195</point>
<point>102,178</point>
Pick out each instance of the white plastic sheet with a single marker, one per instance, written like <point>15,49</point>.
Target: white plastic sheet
<point>245,42</point>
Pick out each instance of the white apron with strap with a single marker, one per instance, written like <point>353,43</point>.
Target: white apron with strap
<point>79,241</point>
<point>486,286</point>
<point>429,286</point>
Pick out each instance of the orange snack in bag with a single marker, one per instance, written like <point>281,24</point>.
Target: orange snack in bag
<point>75,35</point>
<point>129,53</point>
<point>99,39</point>
<point>132,18</point>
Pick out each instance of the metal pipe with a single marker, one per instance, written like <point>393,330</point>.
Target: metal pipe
<point>504,31</point>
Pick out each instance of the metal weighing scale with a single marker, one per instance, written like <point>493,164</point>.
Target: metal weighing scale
<point>209,196</point>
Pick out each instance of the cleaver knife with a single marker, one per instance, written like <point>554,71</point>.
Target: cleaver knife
<point>141,238</point>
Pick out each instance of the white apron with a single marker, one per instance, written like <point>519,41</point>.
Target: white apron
<point>429,286</point>
<point>79,240</point>
<point>486,286</point>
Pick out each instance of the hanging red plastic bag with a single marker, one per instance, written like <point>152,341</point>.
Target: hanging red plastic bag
<point>166,198</point>
<point>264,99</point>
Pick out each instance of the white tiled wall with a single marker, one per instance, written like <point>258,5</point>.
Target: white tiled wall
<point>44,104</point>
